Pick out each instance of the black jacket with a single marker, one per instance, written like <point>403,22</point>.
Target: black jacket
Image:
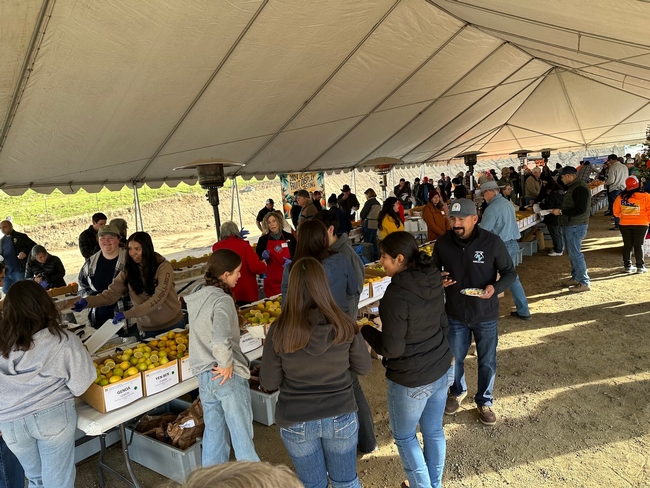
<point>553,200</point>
<point>22,243</point>
<point>474,264</point>
<point>414,328</point>
<point>88,244</point>
<point>315,381</point>
<point>51,271</point>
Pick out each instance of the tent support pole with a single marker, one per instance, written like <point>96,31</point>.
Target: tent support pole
<point>139,225</point>
<point>232,199</point>
<point>25,70</point>
<point>236,191</point>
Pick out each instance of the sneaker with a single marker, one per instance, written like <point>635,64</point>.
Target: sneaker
<point>579,288</point>
<point>554,254</point>
<point>522,317</point>
<point>570,282</point>
<point>405,484</point>
<point>486,415</point>
<point>630,269</point>
<point>641,269</point>
<point>453,403</point>
<point>613,228</point>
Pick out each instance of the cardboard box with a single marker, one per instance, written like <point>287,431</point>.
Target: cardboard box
<point>160,378</point>
<point>379,287</point>
<point>374,272</point>
<point>249,343</point>
<point>114,396</point>
<point>365,293</point>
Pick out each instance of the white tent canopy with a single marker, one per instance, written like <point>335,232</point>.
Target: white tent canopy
<point>97,94</point>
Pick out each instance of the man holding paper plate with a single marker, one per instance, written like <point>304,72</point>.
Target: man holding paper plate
<point>469,259</point>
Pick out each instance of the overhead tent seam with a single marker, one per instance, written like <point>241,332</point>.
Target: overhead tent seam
<point>322,86</point>
<point>204,88</point>
<point>568,101</point>
<point>550,134</point>
<point>387,97</point>
<point>622,121</point>
<point>473,142</point>
<point>28,63</point>
<point>470,106</point>
<point>490,30</point>
<point>456,83</point>
<point>542,77</point>
<point>549,26</point>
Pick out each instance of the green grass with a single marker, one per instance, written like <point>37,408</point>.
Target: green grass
<point>33,208</point>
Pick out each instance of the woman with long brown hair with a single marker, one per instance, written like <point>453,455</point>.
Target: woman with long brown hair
<point>308,355</point>
<point>42,368</point>
<point>435,216</point>
<point>219,363</point>
<point>389,219</point>
<point>313,242</point>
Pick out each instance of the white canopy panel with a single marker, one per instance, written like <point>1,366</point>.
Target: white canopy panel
<point>97,94</point>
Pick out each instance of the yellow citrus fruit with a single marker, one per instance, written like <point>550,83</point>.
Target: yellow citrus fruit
<point>170,334</point>
<point>125,365</point>
<point>260,306</point>
<point>147,349</point>
<point>151,366</point>
<point>118,372</point>
<point>105,370</point>
<point>110,363</point>
<point>114,379</point>
<point>142,360</point>
<point>142,366</point>
<point>133,361</point>
<point>181,347</point>
<point>103,382</point>
<point>162,354</point>
<point>153,343</point>
<point>153,358</point>
<point>138,354</point>
<point>132,371</point>
<point>163,361</point>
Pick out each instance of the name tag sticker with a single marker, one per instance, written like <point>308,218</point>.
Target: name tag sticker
<point>284,244</point>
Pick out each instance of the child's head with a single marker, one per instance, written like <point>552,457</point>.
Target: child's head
<point>223,269</point>
<point>242,474</point>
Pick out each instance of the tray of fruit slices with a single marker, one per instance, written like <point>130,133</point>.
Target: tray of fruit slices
<point>473,292</point>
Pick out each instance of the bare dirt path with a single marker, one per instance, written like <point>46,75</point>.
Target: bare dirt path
<point>571,392</point>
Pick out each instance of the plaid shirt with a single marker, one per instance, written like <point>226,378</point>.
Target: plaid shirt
<point>584,173</point>
<point>87,288</point>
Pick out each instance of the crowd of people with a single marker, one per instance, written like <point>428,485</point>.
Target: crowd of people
<point>315,351</point>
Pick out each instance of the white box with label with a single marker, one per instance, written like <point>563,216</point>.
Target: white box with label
<point>111,397</point>
<point>160,378</point>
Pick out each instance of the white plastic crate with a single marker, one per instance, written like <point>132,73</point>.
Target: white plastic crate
<point>162,458</point>
<point>264,406</point>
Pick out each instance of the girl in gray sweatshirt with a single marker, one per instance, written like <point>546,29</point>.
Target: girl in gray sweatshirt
<point>219,363</point>
<point>42,368</point>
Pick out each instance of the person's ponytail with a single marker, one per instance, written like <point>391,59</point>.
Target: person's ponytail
<point>404,243</point>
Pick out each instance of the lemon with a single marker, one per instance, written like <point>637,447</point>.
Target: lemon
<point>103,382</point>
<point>148,362</point>
<point>153,358</point>
<point>170,334</point>
<point>105,369</point>
<point>162,354</point>
<point>125,365</point>
<point>147,349</point>
<point>163,360</point>
<point>97,380</point>
<point>96,365</point>
<point>126,357</point>
<point>260,306</point>
<point>138,354</point>
<point>142,366</point>
<point>151,366</point>
<point>129,352</point>
<point>146,355</point>
<point>141,360</point>
<point>114,379</point>
<point>133,361</point>
<point>181,348</point>
<point>110,363</point>
<point>132,371</point>
<point>118,372</point>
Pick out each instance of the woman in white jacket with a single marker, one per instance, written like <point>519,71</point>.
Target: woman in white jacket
<point>219,363</point>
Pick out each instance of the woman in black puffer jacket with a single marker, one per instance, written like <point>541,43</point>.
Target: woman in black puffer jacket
<point>416,355</point>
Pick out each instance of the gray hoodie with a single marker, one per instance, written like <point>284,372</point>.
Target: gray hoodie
<point>52,371</point>
<point>344,246</point>
<point>214,336</point>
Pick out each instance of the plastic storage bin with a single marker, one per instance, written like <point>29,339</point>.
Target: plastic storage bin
<point>264,406</point>
<point>162,458</point>
<point>528,248</point>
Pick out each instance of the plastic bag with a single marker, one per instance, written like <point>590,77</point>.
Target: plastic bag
<point>187,427</point>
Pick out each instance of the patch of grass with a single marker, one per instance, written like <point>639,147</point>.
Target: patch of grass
<point>33,208</point>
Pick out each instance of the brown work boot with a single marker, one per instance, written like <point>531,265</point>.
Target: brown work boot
<point>569,282</point>
<point>405,484</point>
<point>486,415</point>
<point>453,403</point>
<point>579,288</point>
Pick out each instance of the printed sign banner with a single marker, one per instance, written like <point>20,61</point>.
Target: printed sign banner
<point>291,182</point>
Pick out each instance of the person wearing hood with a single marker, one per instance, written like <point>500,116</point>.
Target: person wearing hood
<point>43,367</point>
<point>149,280</point>
<point>44,268</point>
<point>344,226</point>
<point>416,355</point>
<point>368,215</point>
<point>309,353</point>
<point>218,362</point>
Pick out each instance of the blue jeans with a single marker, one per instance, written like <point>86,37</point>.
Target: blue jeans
<point>228,416</point>
<point>611,196</point>
<point>178,325</point>
<point>573,236</point>
<point>319,448</point>
<point>518,293</point>
<point>12,277</point>
<point>11,472</point>
<point>370,235</point>
<point>424,405</point>
<point>486,337</point>
<point>43,442</point>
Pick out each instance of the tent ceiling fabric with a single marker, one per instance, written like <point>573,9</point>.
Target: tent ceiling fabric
<point>121,92</point>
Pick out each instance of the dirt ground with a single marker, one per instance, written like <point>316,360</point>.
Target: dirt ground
<point>571,390</point>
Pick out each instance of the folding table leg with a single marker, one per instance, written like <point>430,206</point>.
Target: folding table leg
<point>101,466</point>
<point>127,459</point>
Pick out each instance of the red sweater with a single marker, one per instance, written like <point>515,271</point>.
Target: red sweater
<point>246,289</point>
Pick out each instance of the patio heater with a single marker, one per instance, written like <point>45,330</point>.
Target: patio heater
<point>522,155</point>
<point>470,159</point>
<point>382,167</point>
<point>546,153</point>
<point>211,178</point>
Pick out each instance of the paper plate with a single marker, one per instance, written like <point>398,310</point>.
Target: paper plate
<point>473,292</point>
